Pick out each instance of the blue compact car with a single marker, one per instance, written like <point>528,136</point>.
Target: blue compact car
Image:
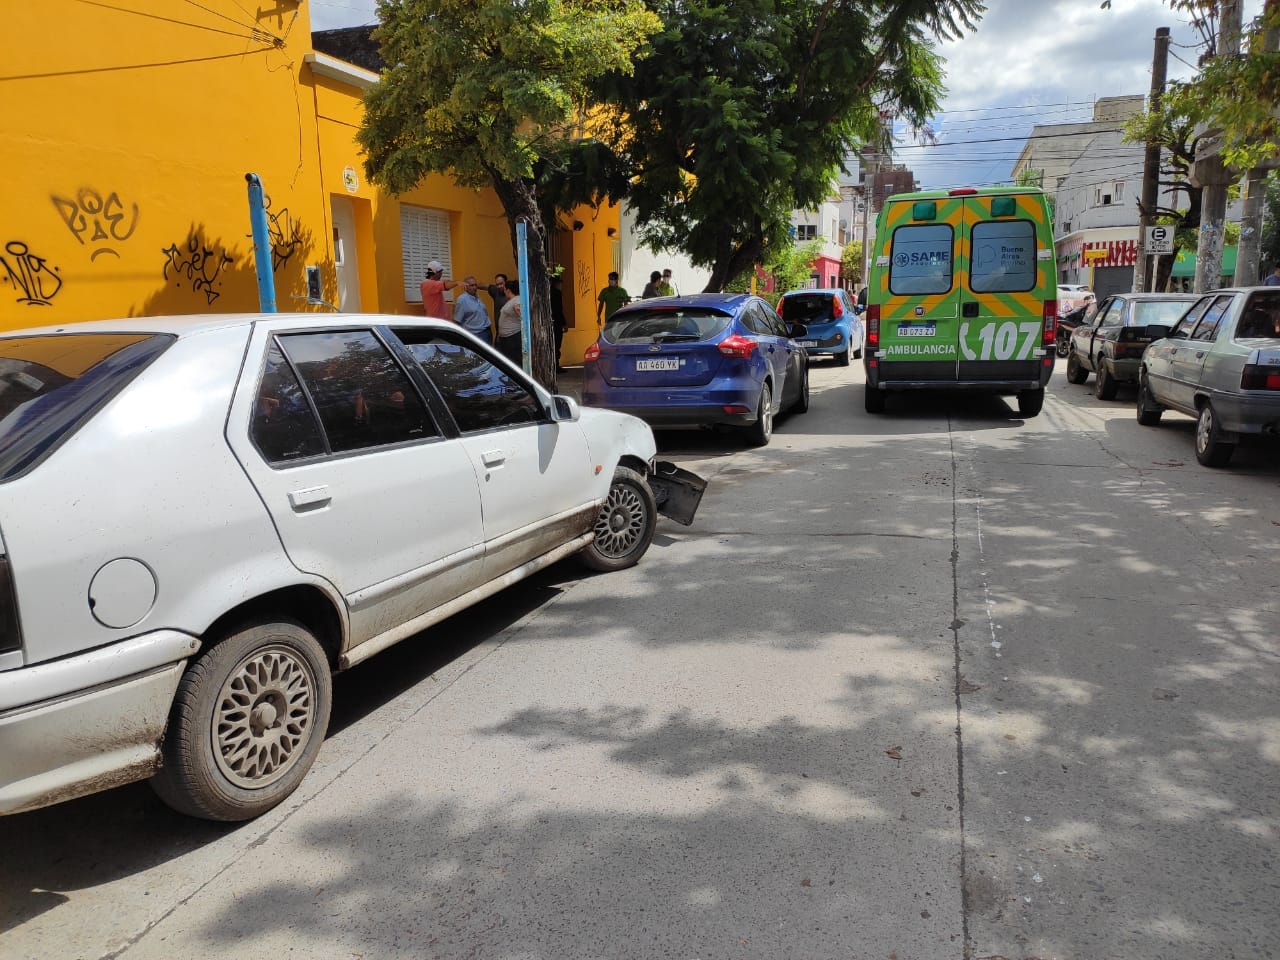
<point>835,329</point>
<point>708,358</point>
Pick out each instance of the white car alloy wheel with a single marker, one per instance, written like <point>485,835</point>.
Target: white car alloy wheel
<point>247,722</point>
<point>264,715</point>
<point>624,528</point>
<point>621,523</point>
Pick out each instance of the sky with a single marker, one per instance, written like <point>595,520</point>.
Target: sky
<point>1027,62</point>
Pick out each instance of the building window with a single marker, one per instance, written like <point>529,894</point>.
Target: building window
<point>424,236</point>
<point>1118,191</point>
<point>806,231</point>
<point>1066,226</point>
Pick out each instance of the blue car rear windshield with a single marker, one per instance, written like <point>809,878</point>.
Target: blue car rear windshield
<point>50,386</point>
<point>670,323</point>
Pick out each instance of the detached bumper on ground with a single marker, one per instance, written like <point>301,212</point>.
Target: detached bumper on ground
<point>677,491</point>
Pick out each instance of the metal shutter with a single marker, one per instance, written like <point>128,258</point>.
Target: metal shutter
<point>424,236</point>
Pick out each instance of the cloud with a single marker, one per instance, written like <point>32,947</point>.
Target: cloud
<point>1029,63</point>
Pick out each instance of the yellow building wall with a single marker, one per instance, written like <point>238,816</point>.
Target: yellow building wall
<point>129,132</point>
<point>126,139</point>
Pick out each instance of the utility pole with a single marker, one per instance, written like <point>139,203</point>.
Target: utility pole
<point>1249,254</point>
<point>1151,165</point>
<point>1211,173</point>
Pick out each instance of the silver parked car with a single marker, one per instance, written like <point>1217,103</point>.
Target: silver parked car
<point>202,517</point>
<point>1220,364</point>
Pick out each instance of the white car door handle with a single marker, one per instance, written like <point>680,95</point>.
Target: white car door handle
<point>309,498</point>
<point>493,458</point>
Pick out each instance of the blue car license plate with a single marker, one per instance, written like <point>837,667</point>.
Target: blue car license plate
<point>659,363</point>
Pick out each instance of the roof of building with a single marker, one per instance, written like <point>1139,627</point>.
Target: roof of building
<point>352,44</point>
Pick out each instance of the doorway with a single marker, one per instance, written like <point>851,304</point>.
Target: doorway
<point>345,259</point>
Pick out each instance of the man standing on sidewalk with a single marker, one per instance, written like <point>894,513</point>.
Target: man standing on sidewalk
<point>470,313</point>
<point>433,289</point>
<point>610,299</point>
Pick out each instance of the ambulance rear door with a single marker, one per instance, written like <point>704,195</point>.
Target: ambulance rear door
<point>916,289</point>
<point>1005,276</point>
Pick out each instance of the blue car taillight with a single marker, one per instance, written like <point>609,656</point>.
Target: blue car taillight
<point>10,634</point>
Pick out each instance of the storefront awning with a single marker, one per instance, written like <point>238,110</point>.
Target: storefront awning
<point>1184,264</point>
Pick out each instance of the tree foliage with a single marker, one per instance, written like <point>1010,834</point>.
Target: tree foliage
<point>1271,233</point>
<point>852,262</point>
<point>743,110</point>
<point>493,94</point>
<point>791,267</point>
<point>1234,97</point>
<point>1172,127</point>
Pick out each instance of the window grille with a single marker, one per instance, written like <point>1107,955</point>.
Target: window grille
<point>424,236</point>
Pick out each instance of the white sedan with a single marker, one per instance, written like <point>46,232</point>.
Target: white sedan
<point>201,518</point>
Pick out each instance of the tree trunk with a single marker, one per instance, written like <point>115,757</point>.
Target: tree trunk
<point>731,261</point>
<point>519,199</point>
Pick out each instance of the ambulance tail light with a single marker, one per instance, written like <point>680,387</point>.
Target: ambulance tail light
<point>1050,315</point>
<point>1255,376</point>
<point>873,326</point>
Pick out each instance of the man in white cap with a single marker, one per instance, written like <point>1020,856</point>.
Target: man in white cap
<point>433,289</point>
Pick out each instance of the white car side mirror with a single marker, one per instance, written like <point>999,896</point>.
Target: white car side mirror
<point>564,409</point>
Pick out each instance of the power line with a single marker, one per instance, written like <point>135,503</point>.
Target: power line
<point>1040,136</point>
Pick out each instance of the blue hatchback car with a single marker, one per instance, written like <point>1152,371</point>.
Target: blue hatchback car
<point>707,358</point>
<point>835,329</point>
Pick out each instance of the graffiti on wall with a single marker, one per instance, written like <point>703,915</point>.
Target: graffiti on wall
<point>29,274</point>
<point>198,265</point>
<point>285,237</point>
<point>583,271</point>
<point>97,221</point>
<point>284,234</point>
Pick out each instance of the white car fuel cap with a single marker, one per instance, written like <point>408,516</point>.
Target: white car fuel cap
<point>122,593</point>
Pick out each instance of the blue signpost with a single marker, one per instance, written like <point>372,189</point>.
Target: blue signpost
<point>522,266</point>
<point>261,245</point>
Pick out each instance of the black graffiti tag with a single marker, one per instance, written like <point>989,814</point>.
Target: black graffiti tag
<point>106,218</point>
<point>200,265</point>
<point>33,275</point>
<point>285,237</point>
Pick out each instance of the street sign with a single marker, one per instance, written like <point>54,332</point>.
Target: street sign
<point>1091,255</point>
<point>1159,240</point>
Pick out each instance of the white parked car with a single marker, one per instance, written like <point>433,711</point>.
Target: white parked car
<point>202,517</point>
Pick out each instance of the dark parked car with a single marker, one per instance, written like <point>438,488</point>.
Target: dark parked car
<point>1111,344</point>
<point>706,358</point>
<point>1221,365</point>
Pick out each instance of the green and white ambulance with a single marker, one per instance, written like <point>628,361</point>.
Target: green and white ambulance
<point>963,295</point>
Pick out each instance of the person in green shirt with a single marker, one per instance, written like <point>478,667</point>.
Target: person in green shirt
<point>610,299</point>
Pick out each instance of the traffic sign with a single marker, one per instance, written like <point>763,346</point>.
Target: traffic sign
<point>1159,239</point>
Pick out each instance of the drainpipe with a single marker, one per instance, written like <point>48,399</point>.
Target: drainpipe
<point>261,245</point>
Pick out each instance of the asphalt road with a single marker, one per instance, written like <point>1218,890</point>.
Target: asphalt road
<point>940,683</point>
